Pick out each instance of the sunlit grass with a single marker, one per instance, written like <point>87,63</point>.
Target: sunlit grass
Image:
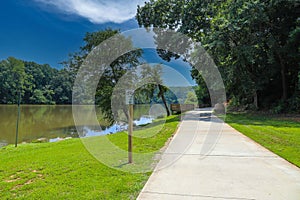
<point>282,136</point>
<point>66,170</point>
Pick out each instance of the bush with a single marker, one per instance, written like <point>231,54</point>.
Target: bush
<point>280,107</point>
<point>294,104</point>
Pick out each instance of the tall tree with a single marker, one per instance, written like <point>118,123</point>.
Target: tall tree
<point>38,88</point>
<point>61,84</point>
<point>12,79</point>
<point>152,75</point>
<point>112,73</point>
<point>250,39</point>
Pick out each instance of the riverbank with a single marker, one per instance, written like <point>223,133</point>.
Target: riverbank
<point>53,122</point>
<point>66,170</point>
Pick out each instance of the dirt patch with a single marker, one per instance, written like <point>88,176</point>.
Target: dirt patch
<point>16,187</point>
<point>12,180</point>
<point>21,185</point>
<point>29,182</point>
<point>15,177</point>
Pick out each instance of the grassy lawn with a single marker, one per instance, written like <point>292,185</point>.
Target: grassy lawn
<point>66,170</point>
<point>280,135</point>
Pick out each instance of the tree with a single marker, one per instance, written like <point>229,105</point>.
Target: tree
<point>237,48</point>
<point>112,73</point>
<point>39,79</point>
<point>190,17</point>
<point>250,39</point>
<point>153,75</point>
<point>191,98</point>
<point>12,79</point>
<point>253,43</point>
<point>62,84</point>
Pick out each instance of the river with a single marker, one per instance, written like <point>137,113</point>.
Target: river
<point>52,122</point>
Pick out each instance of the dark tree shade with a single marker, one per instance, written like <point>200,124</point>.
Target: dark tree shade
<point>255,44</point>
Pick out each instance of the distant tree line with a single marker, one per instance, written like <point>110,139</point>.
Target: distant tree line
<point>35,83</point>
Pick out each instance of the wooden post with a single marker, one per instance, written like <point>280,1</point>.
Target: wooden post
<point>17,126</point>
<point>130,130</point>
<point>129,99</point>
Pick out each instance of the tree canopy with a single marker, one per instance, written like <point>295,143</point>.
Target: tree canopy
<point>255,45</point>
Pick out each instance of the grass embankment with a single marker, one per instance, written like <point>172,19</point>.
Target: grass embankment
<point>280,135</point>
<point>66,170</point>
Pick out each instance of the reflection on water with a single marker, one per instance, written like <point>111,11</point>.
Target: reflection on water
<point>35,122</point>
<point>143,120</point>
<point>87,131</point>
<point>3,143</point>
<point>90,131</point>
<point>53,123</point>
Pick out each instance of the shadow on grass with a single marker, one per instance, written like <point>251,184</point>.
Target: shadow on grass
<point>260,120</point>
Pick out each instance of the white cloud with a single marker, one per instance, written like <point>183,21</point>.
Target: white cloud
<point>97,11</point>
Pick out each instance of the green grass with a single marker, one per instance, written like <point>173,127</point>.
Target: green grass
<point>66,170</point>
<point>281,136</point>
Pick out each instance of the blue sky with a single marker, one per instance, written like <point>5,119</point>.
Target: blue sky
<point>46,31</point>
<point>33,30</point>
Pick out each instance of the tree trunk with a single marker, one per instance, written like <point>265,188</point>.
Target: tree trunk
<point>165,103</point>
<point>255,99</point>
<point>283,78</point>
<point>161,91</point>
<point>126,113</point>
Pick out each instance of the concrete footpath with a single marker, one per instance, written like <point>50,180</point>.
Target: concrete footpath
<point>207,159</point>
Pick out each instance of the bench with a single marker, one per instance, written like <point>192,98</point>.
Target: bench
<point>178,108</point>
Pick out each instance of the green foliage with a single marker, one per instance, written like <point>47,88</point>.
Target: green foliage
<point>112,73</point>
<point>12,80</point>
<point>191,98</point>
<point>38,84</point>
<point>201,90</point>
<point>279,108</point>
<point>42,96</point>
<point>155,88</point>
<point>62,84</point>
<point>298,81</point>
<point>255,44</point>
<point>294,103</point>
